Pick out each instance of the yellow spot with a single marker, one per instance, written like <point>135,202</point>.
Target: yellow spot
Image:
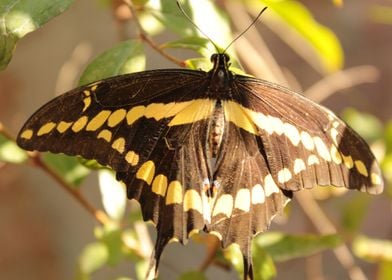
<point>174,193</point>
<point>119,145</point>
<point>242,200</point>
<point>348,161</point>
<point>79,124</point>
<point>98,120</point>
<point>269,186</point>
<point>94,87</point>
<point>335,155</point>
<point>292,133</point>
<point>63,126</point>
<point>134,114</point>
<point>146,172</point>
<point>194,111</point>
<point>361,168</point>
<point>307,141</point>
<point>27,134</point>
<point>375,179</point>
<point>116,117</point>
<point>173,239</point>
<point>86,92</point>
<point>46,128</point>
<point>321,148</point>
<point>87,103</point>
<point>217,234</point>
<point>312,159</point>
<point>192,200</point>
<point>159,111</point>
<point>132,158</point>
<point>236,114</point>
<point>258,196</point>
<point>105,135</point>
<point>159,185</point>
<point>334,136</point>
<point>284,175</point>
<point>299,165</point>
<point>193,232</point>
<point>223,205</point>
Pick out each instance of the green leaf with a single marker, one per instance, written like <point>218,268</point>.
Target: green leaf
<point>127,57</point>
<point>263,265</point>
<point>93,257</point>
<point>388,137</point>
<point>19,17</point>
<point>299,19</point>
<point>353,212</point>
<point>373,250</point>
<point>203,13</point>
<point>195,43</point>
<point>283,247</point>
<point>112,238</point>
<point>385,271</point>
<point>192,275</point>
<point>10,152</point>
<point>67,166</point>
<point>367,125</point>
<point>141,268</point>
<point>113,194</point>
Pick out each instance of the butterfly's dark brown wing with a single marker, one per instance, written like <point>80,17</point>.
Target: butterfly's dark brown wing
<point>148,128</point>
<point>305,144</point>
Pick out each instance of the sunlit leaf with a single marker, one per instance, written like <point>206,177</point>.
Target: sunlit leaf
<point>19,17</point>
<point>373,250</point>
<point>192,275</point>
<point>141,267</point>
<point>234,256</point>
<point>385,271</point>
<point>67,166</point>
<point>299,19</point>
<point>353,212</point>
<point>283,247</point>
<point>127,57</point>
<point>193,43</point>
<point>93,257</point>
<point>113,194</point>
<point>203,13</point>
<point>10,152</point>
<point>112,238</point>
<point>263,265</point>
<point>367,125</point>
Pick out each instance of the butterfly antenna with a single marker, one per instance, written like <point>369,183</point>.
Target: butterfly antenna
<point>197,27</point>
<point>246,29</point>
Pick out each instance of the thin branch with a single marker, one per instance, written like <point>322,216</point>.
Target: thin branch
<point>343,79</point>
<point>145,38</point>
<point>35,158</point>
<point>263,65</point>
<point>324,226</point>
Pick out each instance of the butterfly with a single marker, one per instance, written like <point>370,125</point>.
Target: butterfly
<point>205,151</point>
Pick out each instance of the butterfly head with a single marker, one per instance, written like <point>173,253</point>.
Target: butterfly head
<point>220,74</point>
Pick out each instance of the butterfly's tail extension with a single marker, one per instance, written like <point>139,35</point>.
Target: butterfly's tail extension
<point>160,244</point>
<point>248,267</point>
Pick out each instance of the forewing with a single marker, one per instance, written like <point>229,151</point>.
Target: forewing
<point>305,144</point>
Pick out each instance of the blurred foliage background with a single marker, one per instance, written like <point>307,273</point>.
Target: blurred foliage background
<point>335,52</point>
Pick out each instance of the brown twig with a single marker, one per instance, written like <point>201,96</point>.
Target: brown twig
<point>343,79</point>
<point>144,37</point>
<point>36,159</point>
<point>323,225</point>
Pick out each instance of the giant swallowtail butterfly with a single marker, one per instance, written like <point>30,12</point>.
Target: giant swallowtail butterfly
<point>205,151</point>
